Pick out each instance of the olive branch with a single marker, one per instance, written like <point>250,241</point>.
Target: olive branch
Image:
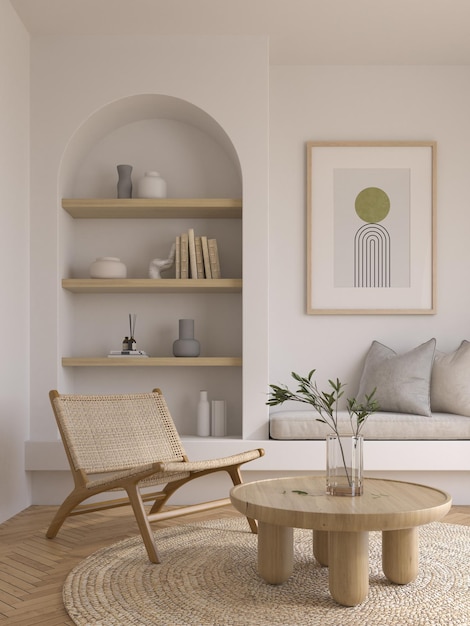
<point>325,402</point>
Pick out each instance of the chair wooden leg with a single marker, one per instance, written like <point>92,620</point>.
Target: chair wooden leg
<point>166,494</point>
<point>143,522</point>
<point>170,488</point>
<point>236,477</point>
<point>67,506</point>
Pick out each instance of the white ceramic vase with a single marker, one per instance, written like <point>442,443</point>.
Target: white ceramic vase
<point>151,185</point>
<point>108,267</point>
<point>203,415</point>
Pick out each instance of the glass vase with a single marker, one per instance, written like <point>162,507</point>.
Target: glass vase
<point>344,466</point>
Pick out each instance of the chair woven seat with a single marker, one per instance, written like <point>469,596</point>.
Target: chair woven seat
<point>156,479</point>
<point>130,442</point>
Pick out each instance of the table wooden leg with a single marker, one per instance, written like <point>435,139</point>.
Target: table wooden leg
<point>348,556</point>
<point>400,555</point>
<point>320,546</point>
<point>275,552</point>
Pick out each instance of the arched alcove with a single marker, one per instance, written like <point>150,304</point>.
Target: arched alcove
<point>197,159</point>
<point>149,131</point>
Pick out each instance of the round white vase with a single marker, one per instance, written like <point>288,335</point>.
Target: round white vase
<point>108,267</point>
<point>151,185</point>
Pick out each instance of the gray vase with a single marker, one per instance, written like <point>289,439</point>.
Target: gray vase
<point>186,345</point>
<point>124,186</point>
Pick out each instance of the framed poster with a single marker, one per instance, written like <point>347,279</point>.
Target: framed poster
<point>371,228</point>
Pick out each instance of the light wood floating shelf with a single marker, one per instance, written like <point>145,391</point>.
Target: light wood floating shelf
<point>134,208</point>
<point>152,285</point>
<point>128,361</point>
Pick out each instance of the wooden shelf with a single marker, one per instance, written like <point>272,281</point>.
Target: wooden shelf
<point>135,208</point>
<point>165,208</point>
<point>128,361</point>
<point>152,285</point>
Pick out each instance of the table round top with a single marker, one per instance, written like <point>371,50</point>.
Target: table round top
<point>302,502</point>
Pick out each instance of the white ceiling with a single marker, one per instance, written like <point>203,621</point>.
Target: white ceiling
<point>301,32</point>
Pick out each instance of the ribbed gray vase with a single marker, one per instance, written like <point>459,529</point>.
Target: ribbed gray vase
<point>124,185</point>
<point>186,345</point>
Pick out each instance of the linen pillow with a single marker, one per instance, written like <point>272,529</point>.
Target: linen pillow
<point>450,381</point>
<point>402,381</point>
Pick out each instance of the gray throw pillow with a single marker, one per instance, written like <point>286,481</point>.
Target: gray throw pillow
<point>450,381</point>
<point>402,381</point>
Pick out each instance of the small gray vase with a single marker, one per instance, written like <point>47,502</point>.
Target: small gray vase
<point>124,186</point>
<point>186,345</point>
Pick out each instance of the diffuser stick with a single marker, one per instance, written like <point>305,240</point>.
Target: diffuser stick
<point>132,321</point>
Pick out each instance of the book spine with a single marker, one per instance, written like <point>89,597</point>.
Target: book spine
<point>205,255</point>
<point>214,258</point>
<point>192,253</point>
<point>184,256</point>
<point>178,257</point>
<point>199,259</point>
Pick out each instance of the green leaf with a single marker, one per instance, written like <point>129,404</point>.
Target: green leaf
<point>324,402</point>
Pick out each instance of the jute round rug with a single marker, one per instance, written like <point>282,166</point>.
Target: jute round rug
<point>208,577</point>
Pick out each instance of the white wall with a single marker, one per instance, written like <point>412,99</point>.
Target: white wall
<point>14,260</point>
<point>363,103</point>
<point>74,77</point>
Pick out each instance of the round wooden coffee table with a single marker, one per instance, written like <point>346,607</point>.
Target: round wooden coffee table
<point>340,527</point>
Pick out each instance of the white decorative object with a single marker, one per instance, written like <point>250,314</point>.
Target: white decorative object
<point>203,415</point>
<point>159,265</point>
<point>218,418</point>
<point>151,185</point>
<point>108,267</point>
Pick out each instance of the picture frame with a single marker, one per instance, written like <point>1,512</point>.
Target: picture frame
<point>371,228</point>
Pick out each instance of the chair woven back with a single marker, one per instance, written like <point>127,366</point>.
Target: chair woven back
<point>110,433</point>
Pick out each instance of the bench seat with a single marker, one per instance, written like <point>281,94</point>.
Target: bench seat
<point>292,425</point>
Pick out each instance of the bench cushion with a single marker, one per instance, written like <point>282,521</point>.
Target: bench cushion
<point>402,381</point>
<point>383,426</point>
<point>450,389</point>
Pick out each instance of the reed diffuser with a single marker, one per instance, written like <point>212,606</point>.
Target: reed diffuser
<point>129,342</point>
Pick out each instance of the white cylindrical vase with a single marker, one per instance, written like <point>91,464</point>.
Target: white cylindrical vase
<point>203,415</point>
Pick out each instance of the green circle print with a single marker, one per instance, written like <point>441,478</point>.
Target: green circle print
<point>372,205</point>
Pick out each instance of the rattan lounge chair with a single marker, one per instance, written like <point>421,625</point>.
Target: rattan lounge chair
<point>130,442</point>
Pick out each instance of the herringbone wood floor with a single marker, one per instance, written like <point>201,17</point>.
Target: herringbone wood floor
<point>33,568</point>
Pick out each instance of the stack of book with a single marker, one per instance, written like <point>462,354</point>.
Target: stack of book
<point>196,257</point>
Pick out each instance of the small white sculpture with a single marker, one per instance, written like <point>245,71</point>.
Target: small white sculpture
<point>159,265</point>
